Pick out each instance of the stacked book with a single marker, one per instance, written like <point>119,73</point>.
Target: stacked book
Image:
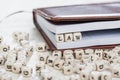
<point>79,26</point>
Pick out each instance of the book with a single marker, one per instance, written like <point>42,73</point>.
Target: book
<point>97,32</point>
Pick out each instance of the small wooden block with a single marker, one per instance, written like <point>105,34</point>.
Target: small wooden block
<point>57,54</point>
<point>105,54</point>
<point>100,66</point>
<point>68,37</point>
<point>79,67</point>
<point>106,75</point>
<point>95,75</point>
<point>67,69</point>
<point>42,57</point>
<point>41,46</point>
<point>67,52</point>
<point>77,36</point>
<point>39,66</point>
<point>58,64</point>
<point>15,35</point>
<point>51,60</point>
<point>17,67</point>
<point>85,74</point>
<point>5,48</point>
<point>78,53</point>
<point>99,53</point>
<point>8,66</point>
<point>59,38</point>
<point>26,71</point>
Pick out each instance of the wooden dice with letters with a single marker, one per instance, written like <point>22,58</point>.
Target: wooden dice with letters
<point>79,67</point>
<point>29,50</point>
<point>78,53</point>
<point>67,69</point>
<point>99,53</point>
<point>57,54</point>
<point>58,64</point>
<point>68,37</point>
<point>94,58</point>
<point>105,54</point>
<point>17,67</point>
<point>26,71</point>
<point>4,48</point>
<point>85,74</point>
<point>67,52</point>
<point>77,36</point>
<point>106,75</point>
<point>8,65</point>
<point>95,75</point>
<point>15,35</point>
<point>116,70</point>
<point>43,57</point>
<point>51,60</point>
<point>39,66</point>
<point>41,46</point>
<point>60,38</point>
<point>100,65</point>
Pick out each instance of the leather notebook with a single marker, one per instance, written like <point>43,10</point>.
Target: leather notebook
<point>78,14</point>
<point>83,12</point>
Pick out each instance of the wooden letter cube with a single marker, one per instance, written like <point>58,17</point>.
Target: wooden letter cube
<point>100,66</point>
<point>5,48</point>
<point>51,60</point>
<point>85,74</point>
<point>59,38</point>
<point>39,66</point>
<point>42,57</point>
<point>67,52</point>
<point>77,36</point>
<point>106,75</point>
<point>41,46</point>
<point>8,65</point>
<point>67,69</point>
<point>15,35</point>
<point>68,37</point>
<point>78,53</point>
<point>79,67</point>
<point>95,75</point>
<point>58,64</point>
<point>99,53</point>
<point>57,54</point>
<point>26,71</point>
<point>17,67</point>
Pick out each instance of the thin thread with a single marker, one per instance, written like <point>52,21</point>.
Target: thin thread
<point>14,13</point>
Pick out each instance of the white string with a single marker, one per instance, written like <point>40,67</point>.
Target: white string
<point>14,13</point>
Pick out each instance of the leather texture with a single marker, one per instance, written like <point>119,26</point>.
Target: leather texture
<point>84,12</point>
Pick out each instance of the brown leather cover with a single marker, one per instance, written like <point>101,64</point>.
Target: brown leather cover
<point>84,12</point>
<point>51,45</point>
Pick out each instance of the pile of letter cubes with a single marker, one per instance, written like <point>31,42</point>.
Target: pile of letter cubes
<point>87,64</point>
